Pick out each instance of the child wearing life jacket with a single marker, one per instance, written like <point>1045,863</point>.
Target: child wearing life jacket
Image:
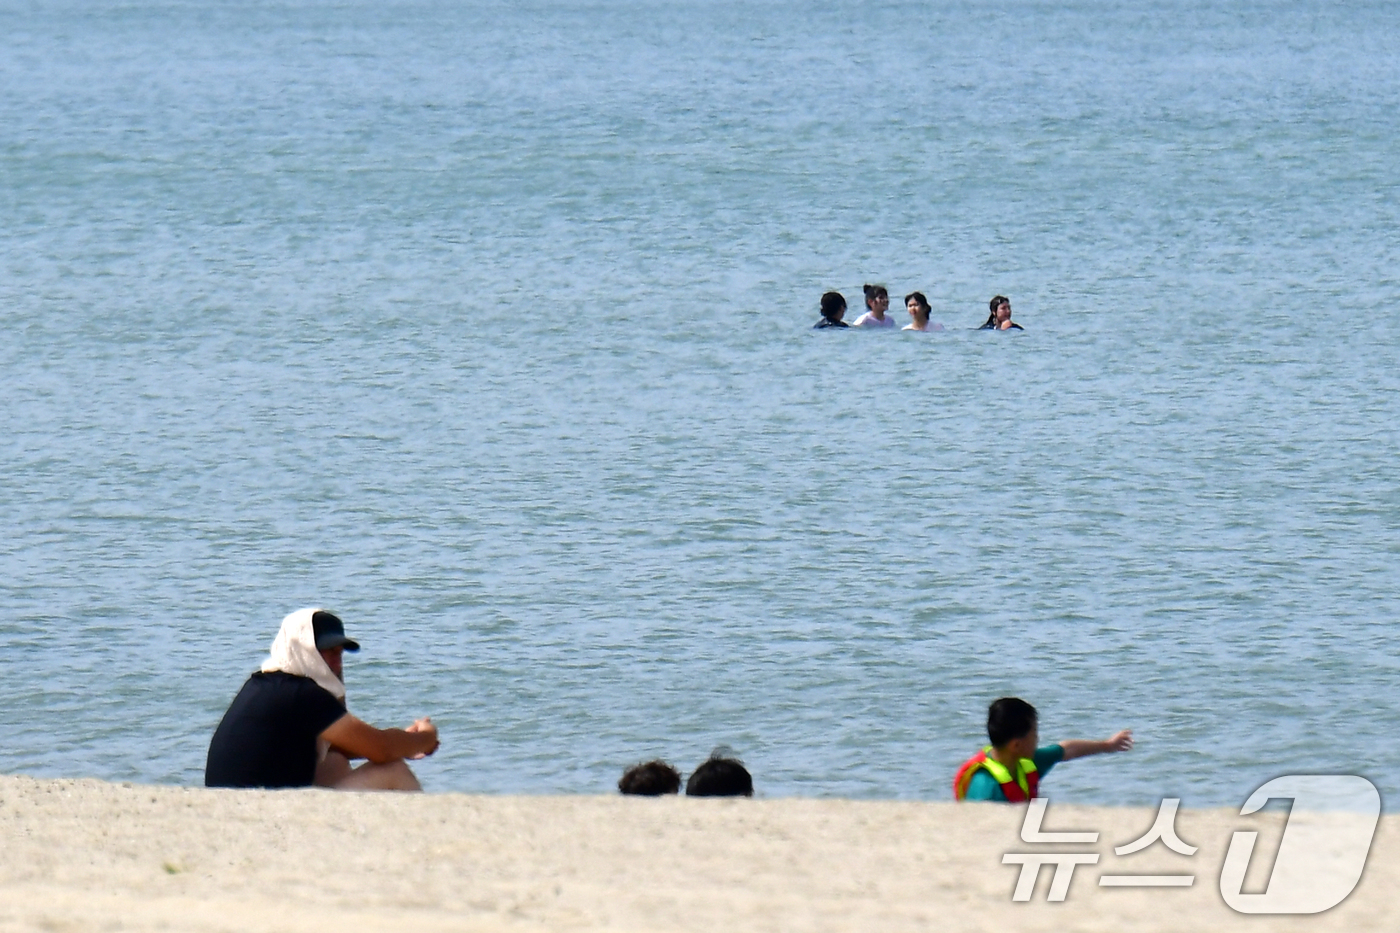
<point>1011,768</point>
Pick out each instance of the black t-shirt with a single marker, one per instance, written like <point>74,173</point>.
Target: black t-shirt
<point>268,736</point>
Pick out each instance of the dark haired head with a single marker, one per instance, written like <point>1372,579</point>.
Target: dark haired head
<point>995,303</point>
<point>720,777</point>
<point>833,306</point>
<point>650,779</point>
<point>875,291</point>
<point>919,299</point>
<point>1009,719</point>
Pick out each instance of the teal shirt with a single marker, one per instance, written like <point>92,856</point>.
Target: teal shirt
<point>985,787</point>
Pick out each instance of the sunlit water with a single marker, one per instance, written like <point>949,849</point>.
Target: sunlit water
<point>487,327</point>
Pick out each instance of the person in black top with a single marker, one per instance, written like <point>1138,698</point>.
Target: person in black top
<point>1000,318</point>
<point>288,726</point>
<point>268,736</point>
<point>833,310</point>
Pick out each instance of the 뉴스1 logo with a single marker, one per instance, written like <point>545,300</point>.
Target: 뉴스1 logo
<point>1324,845</point>
<point>1320,858</point>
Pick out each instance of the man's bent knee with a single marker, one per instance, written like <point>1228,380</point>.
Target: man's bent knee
<point>332,769</point>
<point>392,775</point>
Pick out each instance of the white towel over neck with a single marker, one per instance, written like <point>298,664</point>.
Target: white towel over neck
<point>294,652</point>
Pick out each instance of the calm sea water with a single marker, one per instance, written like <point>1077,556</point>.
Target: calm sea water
<point>486,325</point>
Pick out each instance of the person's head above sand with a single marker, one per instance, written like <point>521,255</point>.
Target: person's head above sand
<point>650,779</point>
<point>720,777</point>
<point>288,726</point>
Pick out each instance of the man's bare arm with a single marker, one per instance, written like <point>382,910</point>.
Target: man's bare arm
<point>1078,748</point>
<point>358,739</point>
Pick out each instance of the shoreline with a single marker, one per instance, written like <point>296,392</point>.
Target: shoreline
<point>80,854</point>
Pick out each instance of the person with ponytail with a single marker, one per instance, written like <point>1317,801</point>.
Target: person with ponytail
<point>877,299</point>
<point>1000,318</point>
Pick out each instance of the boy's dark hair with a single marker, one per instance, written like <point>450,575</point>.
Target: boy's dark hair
<point>1009,719</point>
<point>833,303</point>
<point>720,777</point>
<point>650,779</point>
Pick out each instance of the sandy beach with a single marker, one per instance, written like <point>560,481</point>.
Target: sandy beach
<point>88,855</point>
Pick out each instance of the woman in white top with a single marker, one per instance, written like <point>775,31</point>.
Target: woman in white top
<point>877,299</point>
<point>917,306</point>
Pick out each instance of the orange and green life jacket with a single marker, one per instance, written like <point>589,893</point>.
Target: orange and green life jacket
<point>1017,789</point>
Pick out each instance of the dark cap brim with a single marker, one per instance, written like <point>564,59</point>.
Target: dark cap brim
<point>331,640</point>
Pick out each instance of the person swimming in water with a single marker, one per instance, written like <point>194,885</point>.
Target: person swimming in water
<point>1000,317</point>
<point>833,310</point>
<point>917,306</point>
<point>877,300</point>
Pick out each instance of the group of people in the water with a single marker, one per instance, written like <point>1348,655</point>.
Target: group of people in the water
<point>877,302</point>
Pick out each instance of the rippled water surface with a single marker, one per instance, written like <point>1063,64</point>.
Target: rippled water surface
<point>486,325</point>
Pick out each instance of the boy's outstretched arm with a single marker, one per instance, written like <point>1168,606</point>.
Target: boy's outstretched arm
<point>1078,748</point>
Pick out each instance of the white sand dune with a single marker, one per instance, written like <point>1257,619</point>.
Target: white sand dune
<point>86,855</point>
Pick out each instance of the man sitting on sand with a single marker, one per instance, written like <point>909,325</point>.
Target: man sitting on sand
<point>1009,770</point>
<point>288,726</point>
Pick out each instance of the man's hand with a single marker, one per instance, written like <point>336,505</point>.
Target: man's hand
<point>425,725</point>
<point>1120,742</point>
<point>361,740</point>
